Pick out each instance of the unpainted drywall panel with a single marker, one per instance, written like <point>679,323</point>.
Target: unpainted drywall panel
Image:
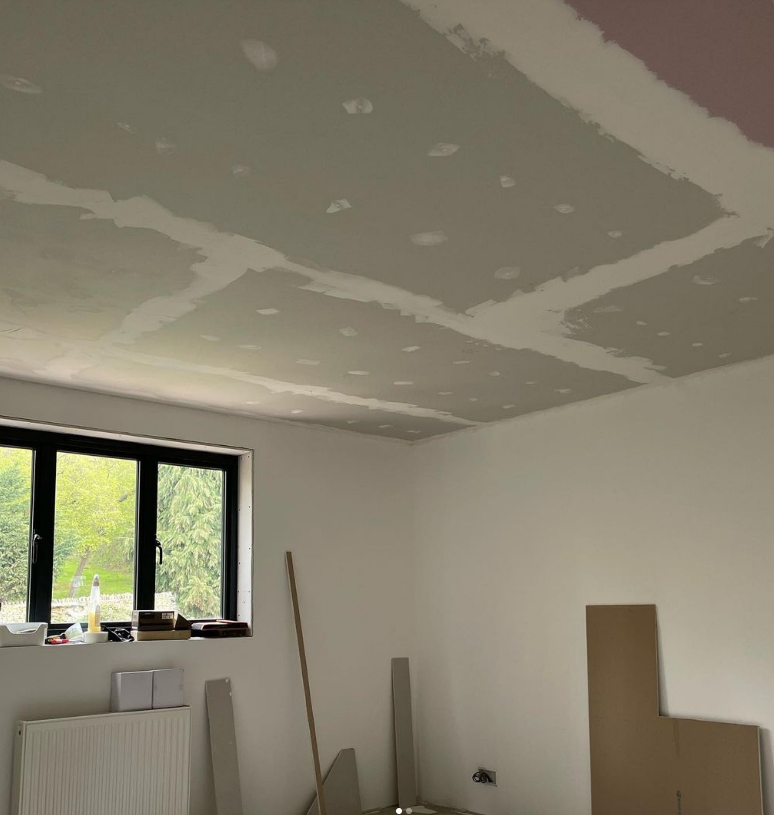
<point>77,279</point>
<point>367,351</point>
<point>647,764</point>
<point>247,394</point>
<point>263,150</point>
<point>707,314</point>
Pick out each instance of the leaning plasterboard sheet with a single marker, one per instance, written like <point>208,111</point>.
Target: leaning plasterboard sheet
<point>404,733</point>
<point>225,762</point>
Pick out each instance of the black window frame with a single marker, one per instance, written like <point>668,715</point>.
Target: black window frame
<point>46,444</point>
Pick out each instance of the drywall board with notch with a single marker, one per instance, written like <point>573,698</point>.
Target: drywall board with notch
<point>647,764</point>
<point>355,214</point>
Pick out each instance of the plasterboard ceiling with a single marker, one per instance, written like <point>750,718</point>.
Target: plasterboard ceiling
<point>394,219</point>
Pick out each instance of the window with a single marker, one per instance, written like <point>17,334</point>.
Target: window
<point>157,524</point>
<point>15,517</point>
<point>94,533</point>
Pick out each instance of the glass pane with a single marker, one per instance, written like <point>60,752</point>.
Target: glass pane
<point>15,512</point>
<point>94,533</point>
<point>190,528</point>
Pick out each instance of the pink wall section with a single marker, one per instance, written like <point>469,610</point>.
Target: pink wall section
<point>719,52</point>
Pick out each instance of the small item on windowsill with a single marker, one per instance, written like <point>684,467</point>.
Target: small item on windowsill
<point>72,636</point>
<point>153,620</point>
<point>74,633</point>
<point>95,637</point>
<point>178,628</point>
<point>119,635</point>
<point>181,624</point>
<point>15,634</point>
<point>151,636</point>
<point>214,629</point>
<point>95,610</point>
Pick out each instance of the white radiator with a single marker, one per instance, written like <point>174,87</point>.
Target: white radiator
<point>115,764</point>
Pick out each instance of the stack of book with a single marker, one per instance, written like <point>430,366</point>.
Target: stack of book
<point>159,625</point>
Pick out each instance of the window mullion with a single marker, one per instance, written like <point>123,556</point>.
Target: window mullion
<point>229,556</point>
<point>145,552</point>
<point>42,535</point>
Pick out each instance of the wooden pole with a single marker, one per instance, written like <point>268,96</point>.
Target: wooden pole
<point>307,692</point>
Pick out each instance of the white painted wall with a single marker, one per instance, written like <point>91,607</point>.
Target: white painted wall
<point>341,502</point>
<point>663,495</point>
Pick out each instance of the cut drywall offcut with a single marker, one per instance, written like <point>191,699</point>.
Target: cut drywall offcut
<point>341,785</point>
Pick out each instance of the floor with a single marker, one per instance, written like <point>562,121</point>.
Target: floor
<point>424,809</point>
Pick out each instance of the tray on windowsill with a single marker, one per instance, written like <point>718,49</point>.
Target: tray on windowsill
<point>16,634</point>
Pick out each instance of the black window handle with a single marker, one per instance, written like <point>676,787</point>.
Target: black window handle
<point>36,541</point>
<point>161,552</point>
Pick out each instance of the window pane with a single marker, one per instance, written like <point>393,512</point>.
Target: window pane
<point>15,511</point>
<point>94,533</point>
<point>190,528</point>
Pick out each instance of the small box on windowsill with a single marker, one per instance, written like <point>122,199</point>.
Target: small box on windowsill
<point>153,620</point>
<point>176,628</point>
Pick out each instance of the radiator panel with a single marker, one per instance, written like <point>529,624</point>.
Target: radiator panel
<point>118,763</point>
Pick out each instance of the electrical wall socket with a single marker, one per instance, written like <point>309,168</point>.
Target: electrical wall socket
<point>492,774</point>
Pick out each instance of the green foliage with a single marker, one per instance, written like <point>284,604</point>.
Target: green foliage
<point>15,494</point>
<point>95,514</point>
<point>190,530</point>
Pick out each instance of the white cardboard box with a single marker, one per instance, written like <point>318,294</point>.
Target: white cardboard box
<point>168,688</point>
<point>131,690</point>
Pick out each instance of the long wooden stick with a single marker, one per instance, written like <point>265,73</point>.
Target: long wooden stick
<point>307,692</point>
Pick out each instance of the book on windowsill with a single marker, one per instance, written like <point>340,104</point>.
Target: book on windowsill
<point>220,629</point>
<point>146,636</point>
